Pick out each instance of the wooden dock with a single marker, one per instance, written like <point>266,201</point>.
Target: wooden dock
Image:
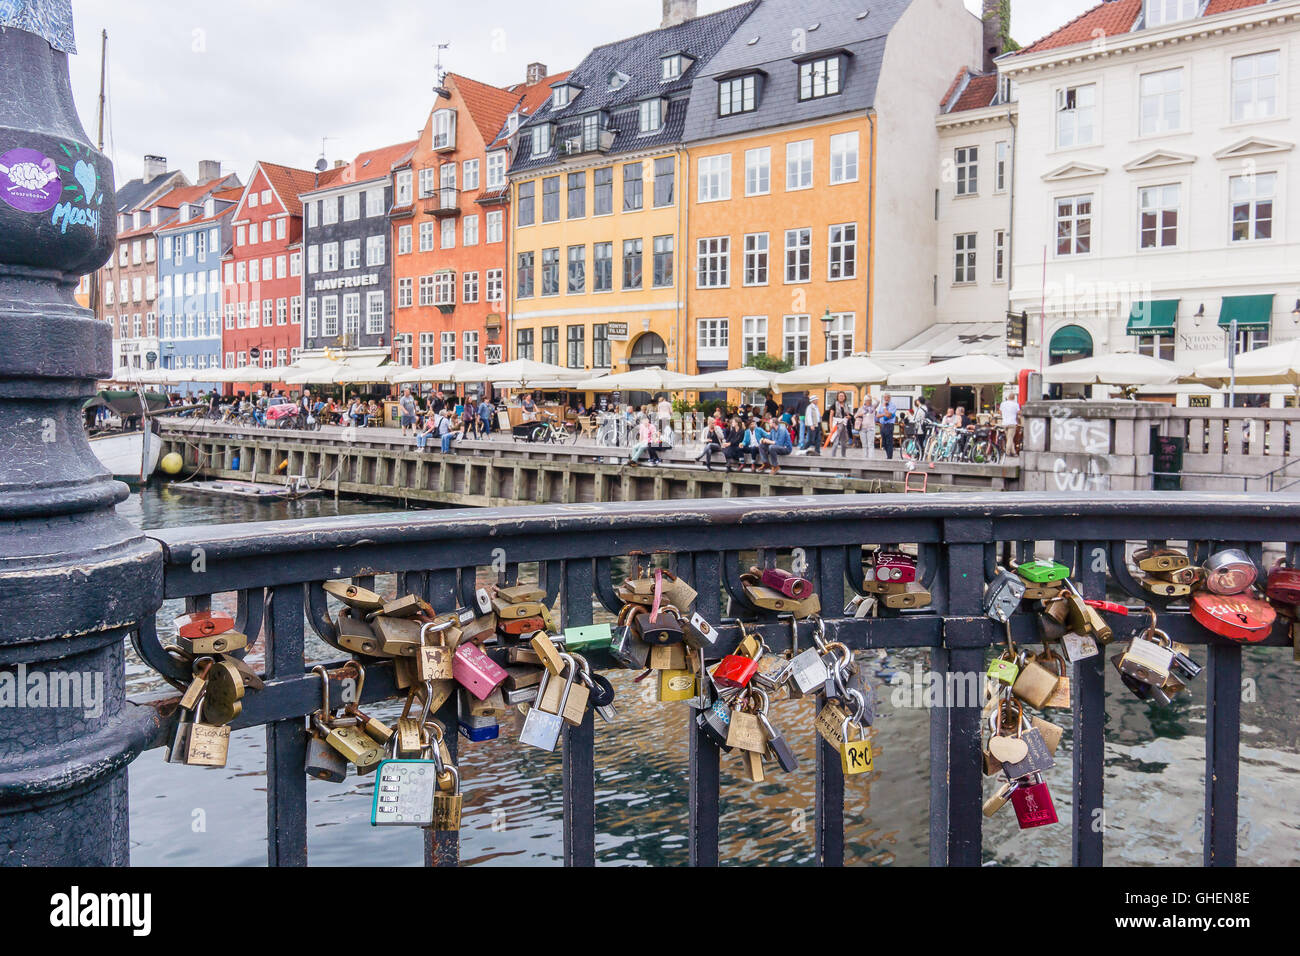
<point>382,463</point>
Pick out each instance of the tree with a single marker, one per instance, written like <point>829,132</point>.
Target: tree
<point>766,363</point>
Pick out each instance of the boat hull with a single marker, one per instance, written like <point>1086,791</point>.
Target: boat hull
<point>124,454</point>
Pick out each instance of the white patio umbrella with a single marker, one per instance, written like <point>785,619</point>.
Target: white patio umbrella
<point>1276,365</point>
<point>855,370</point>
<point>456,372</point>
<point>641,380</point>
<point>376,375</point>
<point>737,378</point>
<point>1120,368</point>
<point>525,373</point>
<point>962,370</point>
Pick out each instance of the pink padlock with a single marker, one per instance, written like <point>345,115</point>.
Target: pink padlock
<point>1033,804</point>
<point>475,671</point>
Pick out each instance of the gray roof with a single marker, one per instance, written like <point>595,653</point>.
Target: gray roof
<point>639,58</point>
<point>131,194</point>
<point>764,43</point>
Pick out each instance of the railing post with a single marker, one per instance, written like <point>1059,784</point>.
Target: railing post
<point>1222,752</point>
<point>77,578</point>
<point>704,756</point>
<point>579,758</point>
<point>1088,709</point>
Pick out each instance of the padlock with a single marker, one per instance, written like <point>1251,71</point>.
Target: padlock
<point>676,685</point>
<point>433,661</point>
<point>1079,647</point>
<point>475,671</point>
<point>700,634</point>
<point>1033,804</point>
<point>660,629</point>
<point>521,594</point>
<point>777,746</point>
<point>200,669</point>
<point>1238,617</point>
<point>667,657</point>
<point>714,723</point>
<point>357,598</point>
<point>409,606</point>
<point>1050,732</point>
<point>542,728</point>
<point>1000,798</point>
<point>1042,592</point>
<point>1146,661</point>
<point>1051,659</point>
<point>791,585</point>
<point>627,648</point>
<point>1164,588</point>
<point>1041,571</point>
<point>913,596</point>
<point>1283,584</point>
<point>398,636</point>
<point>892,567</point>
<point>521,675</point>
<point>356,746</point>
<point>1229,572</point>
<point>324,762</point>
<point>807,671</point>
<point>1003,595</point>
<point>507,611</point>
<point>1160,559</point>
<point>1191,576</point>
<point>735,670</point>
<point>224,642</point>
<point>478,728</point>
<point>745,732</point>
<point>198,624</point>
<point>855,754</point>
<point>224,695</point>
<point>883,588</point>
<point>593,637</point>
<point>447,805</point>
<point>1035,684</point>
<point>829,722</point>
<point>519,626</point>
<point>1004,668</point>
<point>492,705</point>
<point>572,696</point>
<point>547,653</point>
<point>403,794</point>
<point>1037,759</point>
<point>408,736</point>
<point>1183,667</point>
<point>483,602</point>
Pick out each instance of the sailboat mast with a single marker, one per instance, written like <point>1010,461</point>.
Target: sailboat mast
<point>103,57</point>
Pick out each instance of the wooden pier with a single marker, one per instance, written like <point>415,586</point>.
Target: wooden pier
<point>382,463</point>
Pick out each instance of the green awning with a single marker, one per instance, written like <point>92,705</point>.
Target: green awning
<point>1153,317</point>
<point>1250,311</point>
<point>1071,341</point>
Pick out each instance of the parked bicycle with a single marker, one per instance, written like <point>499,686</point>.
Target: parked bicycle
<point>555,433</point>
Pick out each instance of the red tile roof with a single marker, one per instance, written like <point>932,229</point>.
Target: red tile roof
<point>980,92</point>
<point>488,105</point>
<point>290,183</point>
<point>1114,17</point>
<point>377,162</point>
<point>230,195</point>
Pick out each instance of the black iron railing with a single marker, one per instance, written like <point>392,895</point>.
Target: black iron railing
<point>279,566</point>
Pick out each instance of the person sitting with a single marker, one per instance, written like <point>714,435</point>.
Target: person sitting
<point>446,425</point>
<point>776,446</point>
<point>647,442</point>
<point>752,446</point>
<point>429,427</point>
<point>715,440</point>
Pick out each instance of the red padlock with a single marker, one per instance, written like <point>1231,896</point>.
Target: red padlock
<point>893,567</point>
<point>475,671</point>
<point>792,586</point>
<point>1033,805</point>
<point>1110,607</point>
<point>204,624</point>
<point>1238,617</point>
<point>735,670</point>
<point>521,625</point>
<point>1283,585</point>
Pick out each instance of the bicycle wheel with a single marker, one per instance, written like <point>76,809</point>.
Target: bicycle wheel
<point>575,432</point>
<point>538,434</point>
<point>910,449</point>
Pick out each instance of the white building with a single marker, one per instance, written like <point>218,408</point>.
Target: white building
<point>1155,183</point>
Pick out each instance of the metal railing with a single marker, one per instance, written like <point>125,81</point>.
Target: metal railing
<point>276,570</point>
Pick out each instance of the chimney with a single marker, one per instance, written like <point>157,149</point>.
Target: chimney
<point>536,73</point>
<point>209,169</point>
<point>679,11</point>
<point>154,166</point>
<point>993,30</point>
<point>338,164</point>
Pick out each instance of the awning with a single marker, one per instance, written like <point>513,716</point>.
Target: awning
<point>945,340</point>
<point>1071,340</point>
<point>1250,311</point>
<point>1153,317</point>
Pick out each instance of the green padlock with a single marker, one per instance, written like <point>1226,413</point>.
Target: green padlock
<point>1043,572</point>
<point>593,637</point>
<point>1003,670</point>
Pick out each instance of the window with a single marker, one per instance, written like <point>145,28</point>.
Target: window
<point>796,339</point>
<point>329,258</point>
<point>1160,102</point>
<point>495,230</point>
<point>295,310</point>
<point>428,181</point>
<point>527,213</point>
<point>715,178</point>
<point>542,139</point>
<point>756,258</point>
<point>963,245</point>
<point>524,283</point>
<point>819,78</point>
<point>966,161</point>
<point>281,270</point>
<point>601,356</point>
<point>469,345</point>
<point>551,199</point>
<point>447,181</point>
<point>633,187</point>
<point>652,115</point>
<point>1156,346</point>
<point>632,253</point>
<point>577,195</point>
<point>469,287</point>
<point>753,336</point>
<point>577,270</point>
<point>469,173</point>
<point>352,254</point>
<point>496,170</point>
<point>844,158</point>
<point>374,313</point>
<point>1074,226</point>
<point>426,290</point>
<point>799,165</point>
<point>469,231</point>
<point>839,335</point>
<point>1158,208</point>
<point>330,316</point>
<point>374,202</point>
<point>1250,339</point>
<point>798,255</point>
<point>329,211</point>
<point>575,338</point>
<point>374,250</point>
<point>602,267</point>
<point>496,286</point>
<point>1255,86</point>
<point>844,251</point>
<point>1252,199</point>
<point>1075,114</point>
<point>405,292</point>
<point>266,230</point>
<point>663,262</point>
<point>712,335</point>
<point>738,95</point>
<point>758,171</point>
<point>267,311</point>
<point>560,98</point>
<point>999,255</point>
<point>448,340</point>
<point>1161,12</point>
<point>1001,167</point>
<point>674,66</point>
<point>403,188</point>
<point>404,347</point>
<point>551,271</point>
<point>524,344</point>
<point>665,180</point>
<point>444,129</point>
<point>444,288</point>
<point>713,263</point>
<point>448,237</point>
<point>281,311</point>
<point>426,236</point>
<point>254,272</point>
<point>551,344</point>
<point>602,187</point>
<point>404,240</point>
<point>428,349</point>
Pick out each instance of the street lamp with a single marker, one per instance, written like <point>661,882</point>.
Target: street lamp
<point>826,330</point>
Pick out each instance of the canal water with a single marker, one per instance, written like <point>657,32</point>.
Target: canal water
<point>183,816</point>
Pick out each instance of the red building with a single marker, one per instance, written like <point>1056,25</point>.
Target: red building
<point>262,272</point>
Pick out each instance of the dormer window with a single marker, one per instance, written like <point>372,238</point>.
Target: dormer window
<point>674,65</point>
<point>444,130</point>
<point>542,139</point>
<point>652,114</point>
<point>738,94</point>
<point>512,123</point>
<point>564,94</point>
<point>821,77</point>
<point>1159,13</point>
<point>618,80</point>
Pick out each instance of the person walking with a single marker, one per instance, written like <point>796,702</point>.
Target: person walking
<point>664,414</point>
<point>886,415</point>
<point>813,419</point>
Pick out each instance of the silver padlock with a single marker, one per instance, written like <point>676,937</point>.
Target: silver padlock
<point>807,672</point>
<point>1003,595</point>
<point>542,730</point>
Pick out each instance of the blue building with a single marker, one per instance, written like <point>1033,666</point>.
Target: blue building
<point>190,247</point>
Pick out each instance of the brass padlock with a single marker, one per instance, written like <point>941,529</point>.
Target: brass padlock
<point>212,643</point>
<point>1035,684</point>
<point>355,635</point>
<point>353,596</point>
<point>208,744</point>
<point>398,636</point>
<point>914,595</point>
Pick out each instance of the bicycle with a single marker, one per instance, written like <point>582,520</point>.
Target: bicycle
<point>549,431</point>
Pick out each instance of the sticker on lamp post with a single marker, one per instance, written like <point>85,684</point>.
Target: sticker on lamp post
<point>29,180</point>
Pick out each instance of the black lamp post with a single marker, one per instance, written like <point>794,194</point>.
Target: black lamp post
<point>826,331</point>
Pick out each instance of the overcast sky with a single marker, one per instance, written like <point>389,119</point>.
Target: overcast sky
<point>242,80</point>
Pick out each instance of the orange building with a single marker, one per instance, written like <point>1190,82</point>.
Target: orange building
<point>450,222</point>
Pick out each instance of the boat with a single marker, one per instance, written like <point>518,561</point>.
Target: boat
<point>249,490</point>
<point>127,446</point>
